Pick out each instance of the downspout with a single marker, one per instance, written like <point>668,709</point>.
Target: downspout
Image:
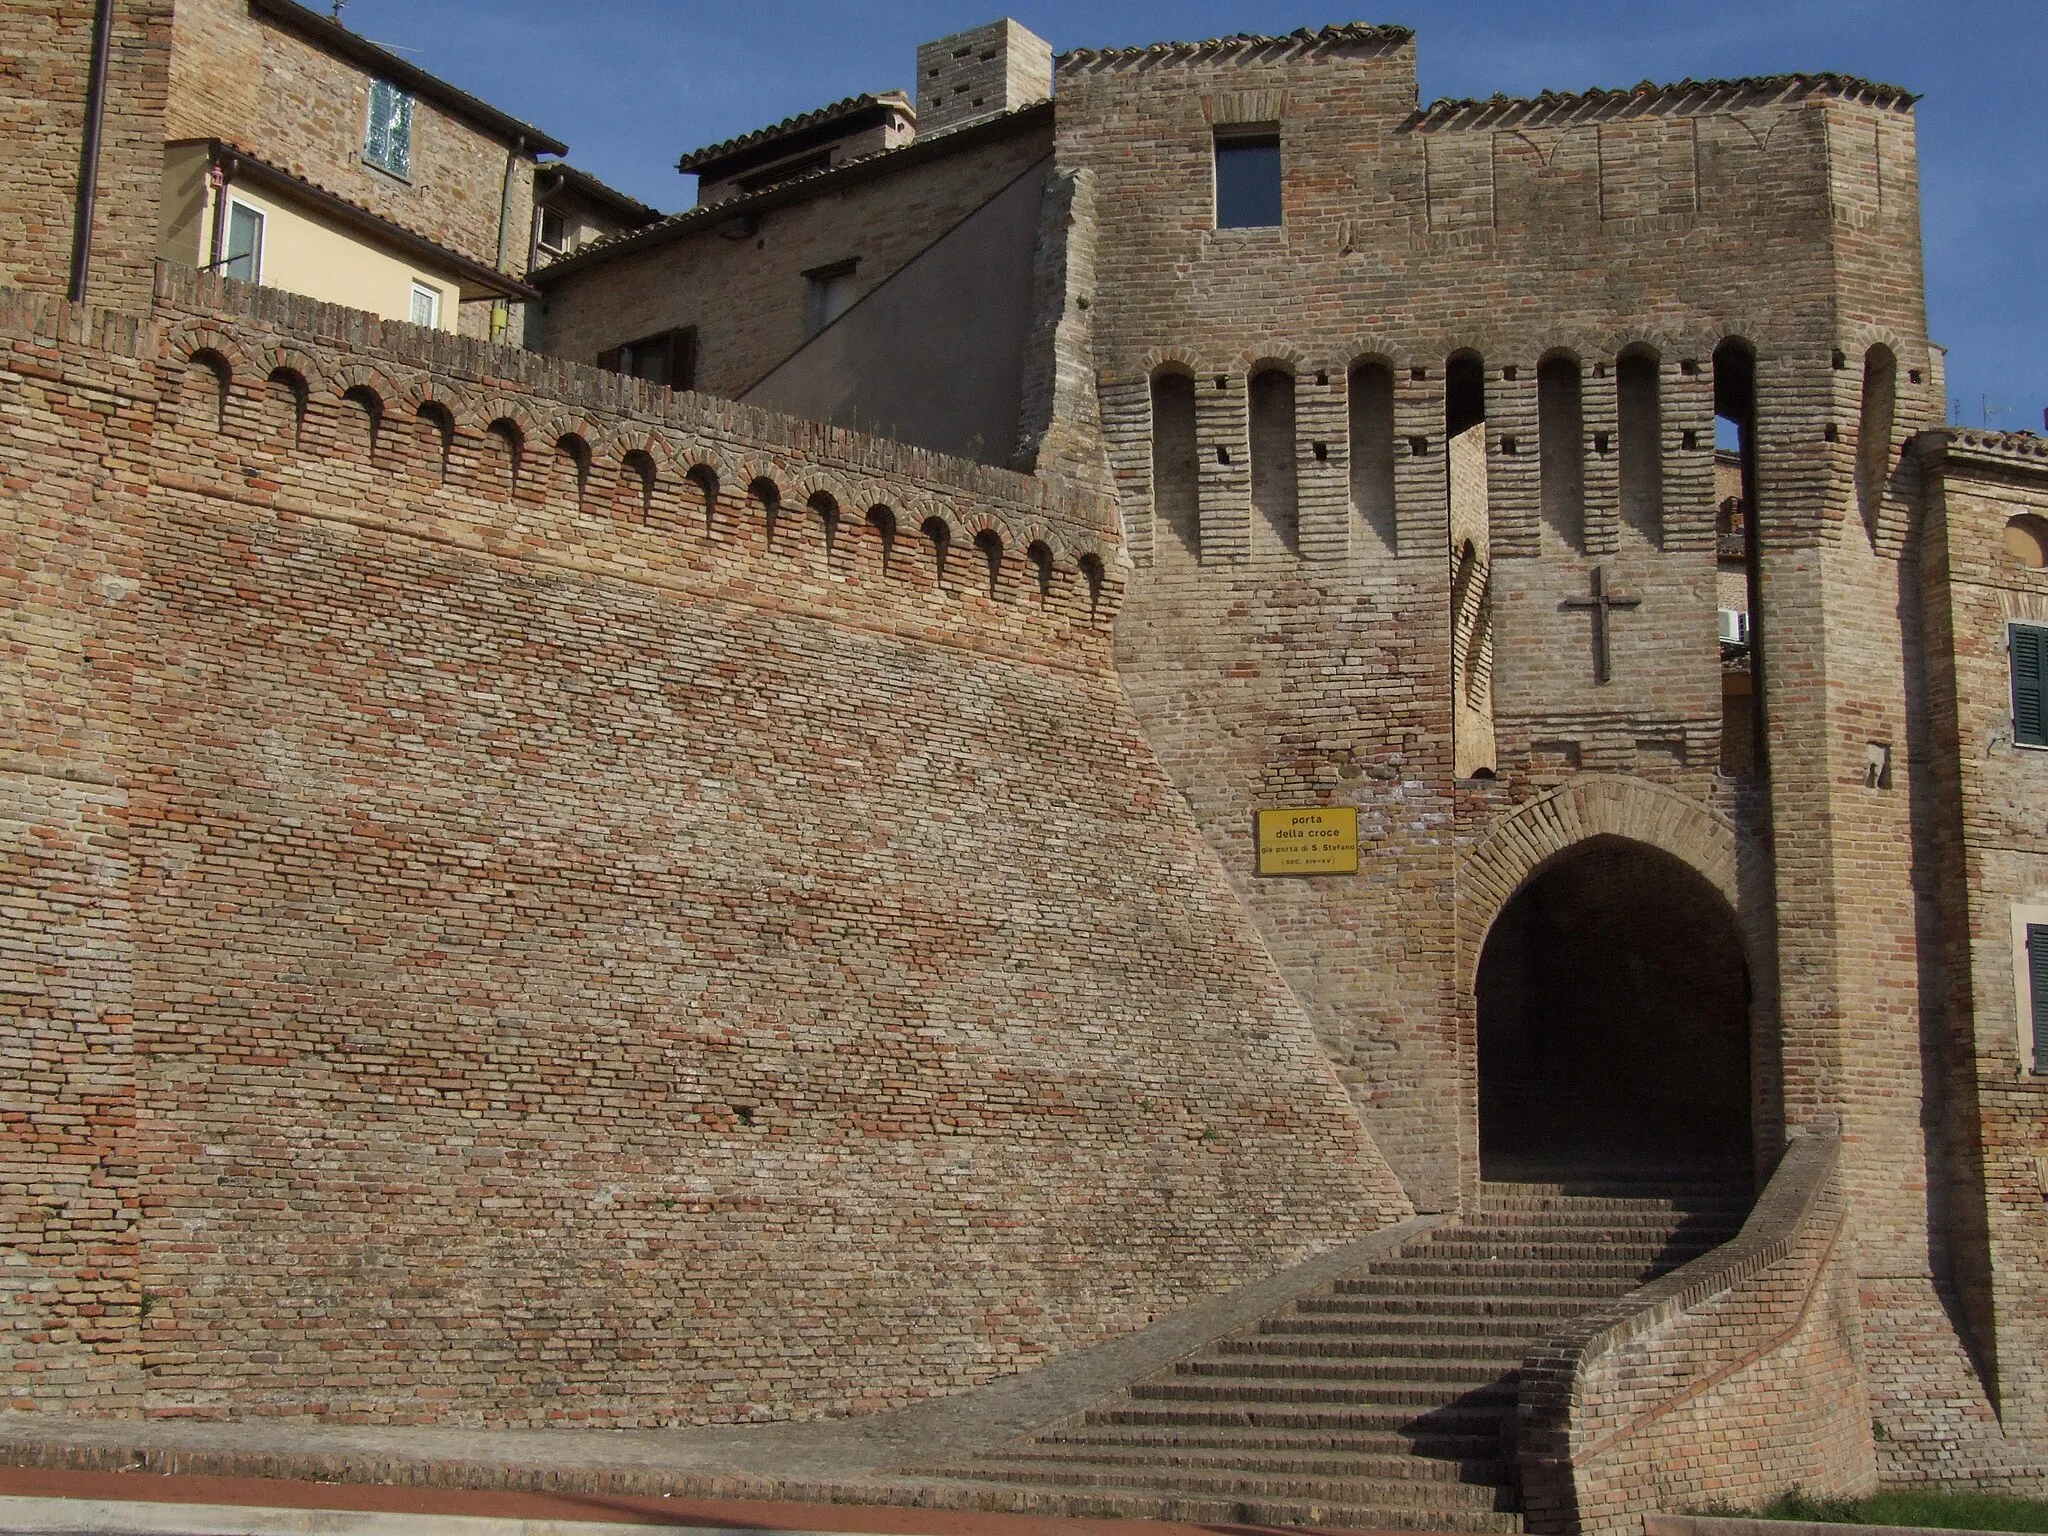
<point>501,311</point>
<point>218,175</point>
<point>89,155</point>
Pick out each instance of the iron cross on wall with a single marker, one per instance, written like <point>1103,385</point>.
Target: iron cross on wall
<point>1601,603</point>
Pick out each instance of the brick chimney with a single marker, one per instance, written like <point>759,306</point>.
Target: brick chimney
<point>975,75</point>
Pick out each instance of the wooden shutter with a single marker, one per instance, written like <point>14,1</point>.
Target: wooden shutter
<point>2029,673</point>
<point>2037,979</point>
<point>609,359</point>
<point>682,364</point>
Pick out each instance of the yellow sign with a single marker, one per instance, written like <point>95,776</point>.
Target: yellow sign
<point>1315,840</point>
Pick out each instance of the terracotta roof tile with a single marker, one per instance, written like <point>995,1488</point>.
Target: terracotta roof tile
<point>1650,93</point>
<point>1349,34</point>
<point>815,118</point>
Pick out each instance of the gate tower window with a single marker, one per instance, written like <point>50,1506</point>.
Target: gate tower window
<point>1247,178</point>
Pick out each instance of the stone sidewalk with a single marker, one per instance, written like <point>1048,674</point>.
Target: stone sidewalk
<point>823,1463</point>
<point>39,1502</point>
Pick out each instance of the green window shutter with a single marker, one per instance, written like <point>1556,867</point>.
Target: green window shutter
<point>2030,685</point>
<point>388,140</point>
<point>2037,979</point>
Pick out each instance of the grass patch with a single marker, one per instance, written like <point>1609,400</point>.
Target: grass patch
<point>1906,1506</point>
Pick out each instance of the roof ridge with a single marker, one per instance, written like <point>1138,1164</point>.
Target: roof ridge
<point>2015,440</point>
<point>1645,90</point>
<point>845,106</point>
<point>1335,35</point>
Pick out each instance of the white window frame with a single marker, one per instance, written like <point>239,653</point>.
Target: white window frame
<point>540,239</point>
<point>434,295</point>
<point>227,228</point>
<point>2023,983</point>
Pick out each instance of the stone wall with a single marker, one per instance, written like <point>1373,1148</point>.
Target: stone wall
<point>46,49</point>
<point>527,941</point>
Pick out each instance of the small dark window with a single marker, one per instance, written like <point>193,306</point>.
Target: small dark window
<point>1247,179</point>
<point>788,170</point>
<point>2029,674</point>
<point>669,358</point>
<point>2037,988</point>
<point>829,293</point>
<point>554,232</point>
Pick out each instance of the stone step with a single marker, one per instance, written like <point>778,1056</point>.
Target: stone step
<point>1184,1482</point>
<point>1425,1302</point>
<point>1482,1249</point>
<point>1407,1328</point>
<point>1387,1465</point>
<point>1256,1393</point>
<point>1487,1287</point>
<point>1110,1504</point>
<point>1459,1422</point>
<point>1451,1373</point>
<point>1567,1270</point>
<point>1540,1197</point>
<point>1491,1350</point>
<point>1728,1218</point>
<point>1426,1451</point>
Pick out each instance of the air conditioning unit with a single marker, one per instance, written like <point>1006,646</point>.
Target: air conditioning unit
<point>1734,627</point>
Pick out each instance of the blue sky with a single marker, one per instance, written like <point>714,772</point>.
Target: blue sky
<point>631,84</point>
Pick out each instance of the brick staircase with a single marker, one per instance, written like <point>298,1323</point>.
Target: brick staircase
<point>1380,1400</point>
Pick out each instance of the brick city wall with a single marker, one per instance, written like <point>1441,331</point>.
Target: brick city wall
<point>524,943</point>
<point>737,274</point>
<point>46,49</point>
<point>252,82</point>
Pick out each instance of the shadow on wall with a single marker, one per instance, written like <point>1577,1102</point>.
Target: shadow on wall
<point>934,356</point>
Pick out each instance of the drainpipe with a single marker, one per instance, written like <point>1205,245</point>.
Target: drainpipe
<point>218,175</point>
<point>89,155</point>
<point>501,312</point>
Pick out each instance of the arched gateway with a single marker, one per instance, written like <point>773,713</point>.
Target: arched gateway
<point>1610,987</point>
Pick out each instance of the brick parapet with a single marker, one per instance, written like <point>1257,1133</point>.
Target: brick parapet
<point>549,397</point>
<point>603,908</point>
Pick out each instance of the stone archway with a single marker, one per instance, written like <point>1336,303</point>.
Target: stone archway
<point>1613,1022</point>
<point>1615,986</point>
